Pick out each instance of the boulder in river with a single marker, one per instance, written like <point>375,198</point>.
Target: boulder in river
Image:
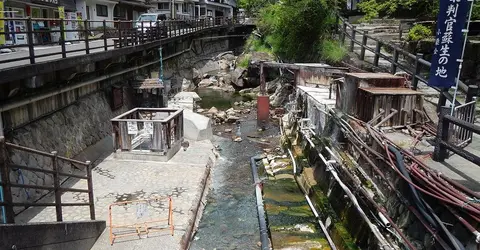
<point>212,111</point>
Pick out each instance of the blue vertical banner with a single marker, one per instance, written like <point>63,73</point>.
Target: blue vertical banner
<point>452,17</point>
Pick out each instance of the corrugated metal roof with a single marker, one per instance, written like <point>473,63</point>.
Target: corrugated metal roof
<point>391,91</point>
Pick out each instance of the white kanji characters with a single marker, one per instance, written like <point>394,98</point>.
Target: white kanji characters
<point>452,10</point>
<point>437,41</point>
<point>439,32</point>
<point>450,20</point>
<point>447,37</point>
<point>441,72</point>
<point>435,51</point>
<point>444,49</point>
<point>443,60</point>
<point>455,1</point>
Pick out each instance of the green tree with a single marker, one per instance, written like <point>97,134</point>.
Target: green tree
<point>253,7</point>
<point>296,28</point>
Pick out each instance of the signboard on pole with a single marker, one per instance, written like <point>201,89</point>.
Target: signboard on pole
<point>451,21</point>
<point>61,15</point>
<point>2,23</point>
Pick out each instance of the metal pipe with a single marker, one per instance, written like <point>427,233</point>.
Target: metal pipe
<point>294,163</point>
<point>322,226</point>
<point>264,239</point>
<point>394,111</point>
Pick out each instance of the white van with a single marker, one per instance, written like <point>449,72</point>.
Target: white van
<point>149,19</point>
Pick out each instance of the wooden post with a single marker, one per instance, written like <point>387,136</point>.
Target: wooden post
<point>400,32</point>
<point>5,177</point>
<point>418,68</point>
<point>90,190</point>
<point>105,45</point>
<point>344,31</point>
<point>364,44</point>
<point>393,68</point>
<point>378,48</point>
<point>87,43</point>
<point>472,91</point>
<point>440,152</point>
<point>31,51</point>
<point>56,185</point>
<point>352,40</point>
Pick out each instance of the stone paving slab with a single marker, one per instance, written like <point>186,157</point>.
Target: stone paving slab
<point>183,178</point>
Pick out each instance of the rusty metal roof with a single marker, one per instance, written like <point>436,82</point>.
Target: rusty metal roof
<point>391,91</point>
<point>373,75</point>
<point>152,83</point>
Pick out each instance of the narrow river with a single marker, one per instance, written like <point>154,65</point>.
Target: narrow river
<point>230,217</point>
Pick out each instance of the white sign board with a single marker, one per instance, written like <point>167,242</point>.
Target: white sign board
<point>148,128</point>
<point>132,128</point>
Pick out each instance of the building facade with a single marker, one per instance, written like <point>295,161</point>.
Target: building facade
<point>196,8</point>
<point>18,9</point>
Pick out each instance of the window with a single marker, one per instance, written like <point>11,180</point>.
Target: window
<point>176,7</point>
<point>102,10</point>
<point>163,6</point>
<point>119,11</point>
<point>185,8</point>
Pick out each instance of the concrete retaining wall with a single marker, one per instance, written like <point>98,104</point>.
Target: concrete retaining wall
<point>51,236</point>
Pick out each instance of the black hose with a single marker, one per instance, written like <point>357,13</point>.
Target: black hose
<point>264,239</point>
<point>416,197</point>
<point>421,204</point>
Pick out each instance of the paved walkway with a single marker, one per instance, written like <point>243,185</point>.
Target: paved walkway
<point>183,178</point>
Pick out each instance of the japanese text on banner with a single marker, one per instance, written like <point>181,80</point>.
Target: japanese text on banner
<point>448,43</point>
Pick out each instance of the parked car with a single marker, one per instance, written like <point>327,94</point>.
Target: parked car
<point>149,21</point>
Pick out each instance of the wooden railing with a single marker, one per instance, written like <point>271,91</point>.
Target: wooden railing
<point>414,65</point>
<point>8,204</point>
<point>148,129</point>
<point>444,133</point>
<point>97,36</point>
<point>461,136</point>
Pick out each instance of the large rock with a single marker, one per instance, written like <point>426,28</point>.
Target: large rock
<point>281,95</point>
<point>224,65</point>
<point>271,86</point>
<point>196,127</point>
<point>205,83</point>
<point>187,85</point>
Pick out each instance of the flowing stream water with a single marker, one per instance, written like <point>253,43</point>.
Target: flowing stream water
<point>230,217</point>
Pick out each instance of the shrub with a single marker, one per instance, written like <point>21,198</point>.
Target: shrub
<point>244,62</point>
<point>419,32</point>
<point>332,51</point>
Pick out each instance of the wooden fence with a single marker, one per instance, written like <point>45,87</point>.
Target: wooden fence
<point>8,204</point>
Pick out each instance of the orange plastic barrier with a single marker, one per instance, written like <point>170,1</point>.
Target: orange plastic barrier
<point>144,224</point>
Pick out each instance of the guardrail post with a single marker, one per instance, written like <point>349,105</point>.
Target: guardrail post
<point>393,68</point>
<point>62,38</point>
<point>157,31</point>
<point>105,45</point>
<point>378,47</point>
<point>7,191</point>
<point>400,32</point>
<point>31,50</point>
<point>418,68</point>
<point>56,185</point>
<point>120,42</point>
<point>440,152</point>
<point>337,22</point>
<point>344,31</point>
<point>472,91</point>
<point>352,41</point>
<point>87,43</point>
<point>90,190</point>
<point>364,44</point>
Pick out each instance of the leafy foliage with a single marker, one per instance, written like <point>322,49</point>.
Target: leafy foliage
<point>418,32</point>
<point>252,7</point>
<point>405,8</point>
<point>295,28</point>
<point>244,62</point>
<point>332,51</point>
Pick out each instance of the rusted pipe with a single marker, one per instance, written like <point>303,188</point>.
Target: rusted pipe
<point>394,112</point>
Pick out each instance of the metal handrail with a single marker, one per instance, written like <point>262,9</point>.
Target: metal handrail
<point>6,184</point>
<point>115,31</point>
